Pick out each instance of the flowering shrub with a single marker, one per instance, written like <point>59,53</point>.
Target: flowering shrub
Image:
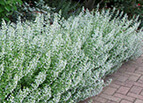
<point>64,62</point>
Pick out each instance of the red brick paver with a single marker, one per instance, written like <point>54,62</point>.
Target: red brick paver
<point>126,87</point>
<point>136,89</point>
<point>125,101</point>
<point>138,101</point>
<point>123,90</point>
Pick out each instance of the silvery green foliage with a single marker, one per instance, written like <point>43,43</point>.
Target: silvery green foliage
<point>64,62</point>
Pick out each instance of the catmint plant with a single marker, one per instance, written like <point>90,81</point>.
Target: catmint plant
<point>67,61</point>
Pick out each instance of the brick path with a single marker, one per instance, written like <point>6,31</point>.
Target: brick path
<point>126,87</point>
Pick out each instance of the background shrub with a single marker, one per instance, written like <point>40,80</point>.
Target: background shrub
<point>130,7</point>
<point>7,7</point>
<point>67,7</point>
<point>30,9</point>
<point>66,61</point>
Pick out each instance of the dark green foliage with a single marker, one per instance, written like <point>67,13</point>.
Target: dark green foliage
<point>30,9</point>
<point>7,7</point>
<point>67,7</point>
<point>131,7</point>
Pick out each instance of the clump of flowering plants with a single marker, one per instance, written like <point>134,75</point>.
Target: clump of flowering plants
<point>67,61</point>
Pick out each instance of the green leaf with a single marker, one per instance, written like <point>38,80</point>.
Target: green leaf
<point>19,1</point>
<point>15,8</point>
<point>8,8</point>
<point>1,10</point>
<point>7,19</point>
<point>2,2</point>
<point>8,2</point>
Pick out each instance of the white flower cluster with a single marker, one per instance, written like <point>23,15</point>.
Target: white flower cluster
<point>67,61</point>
